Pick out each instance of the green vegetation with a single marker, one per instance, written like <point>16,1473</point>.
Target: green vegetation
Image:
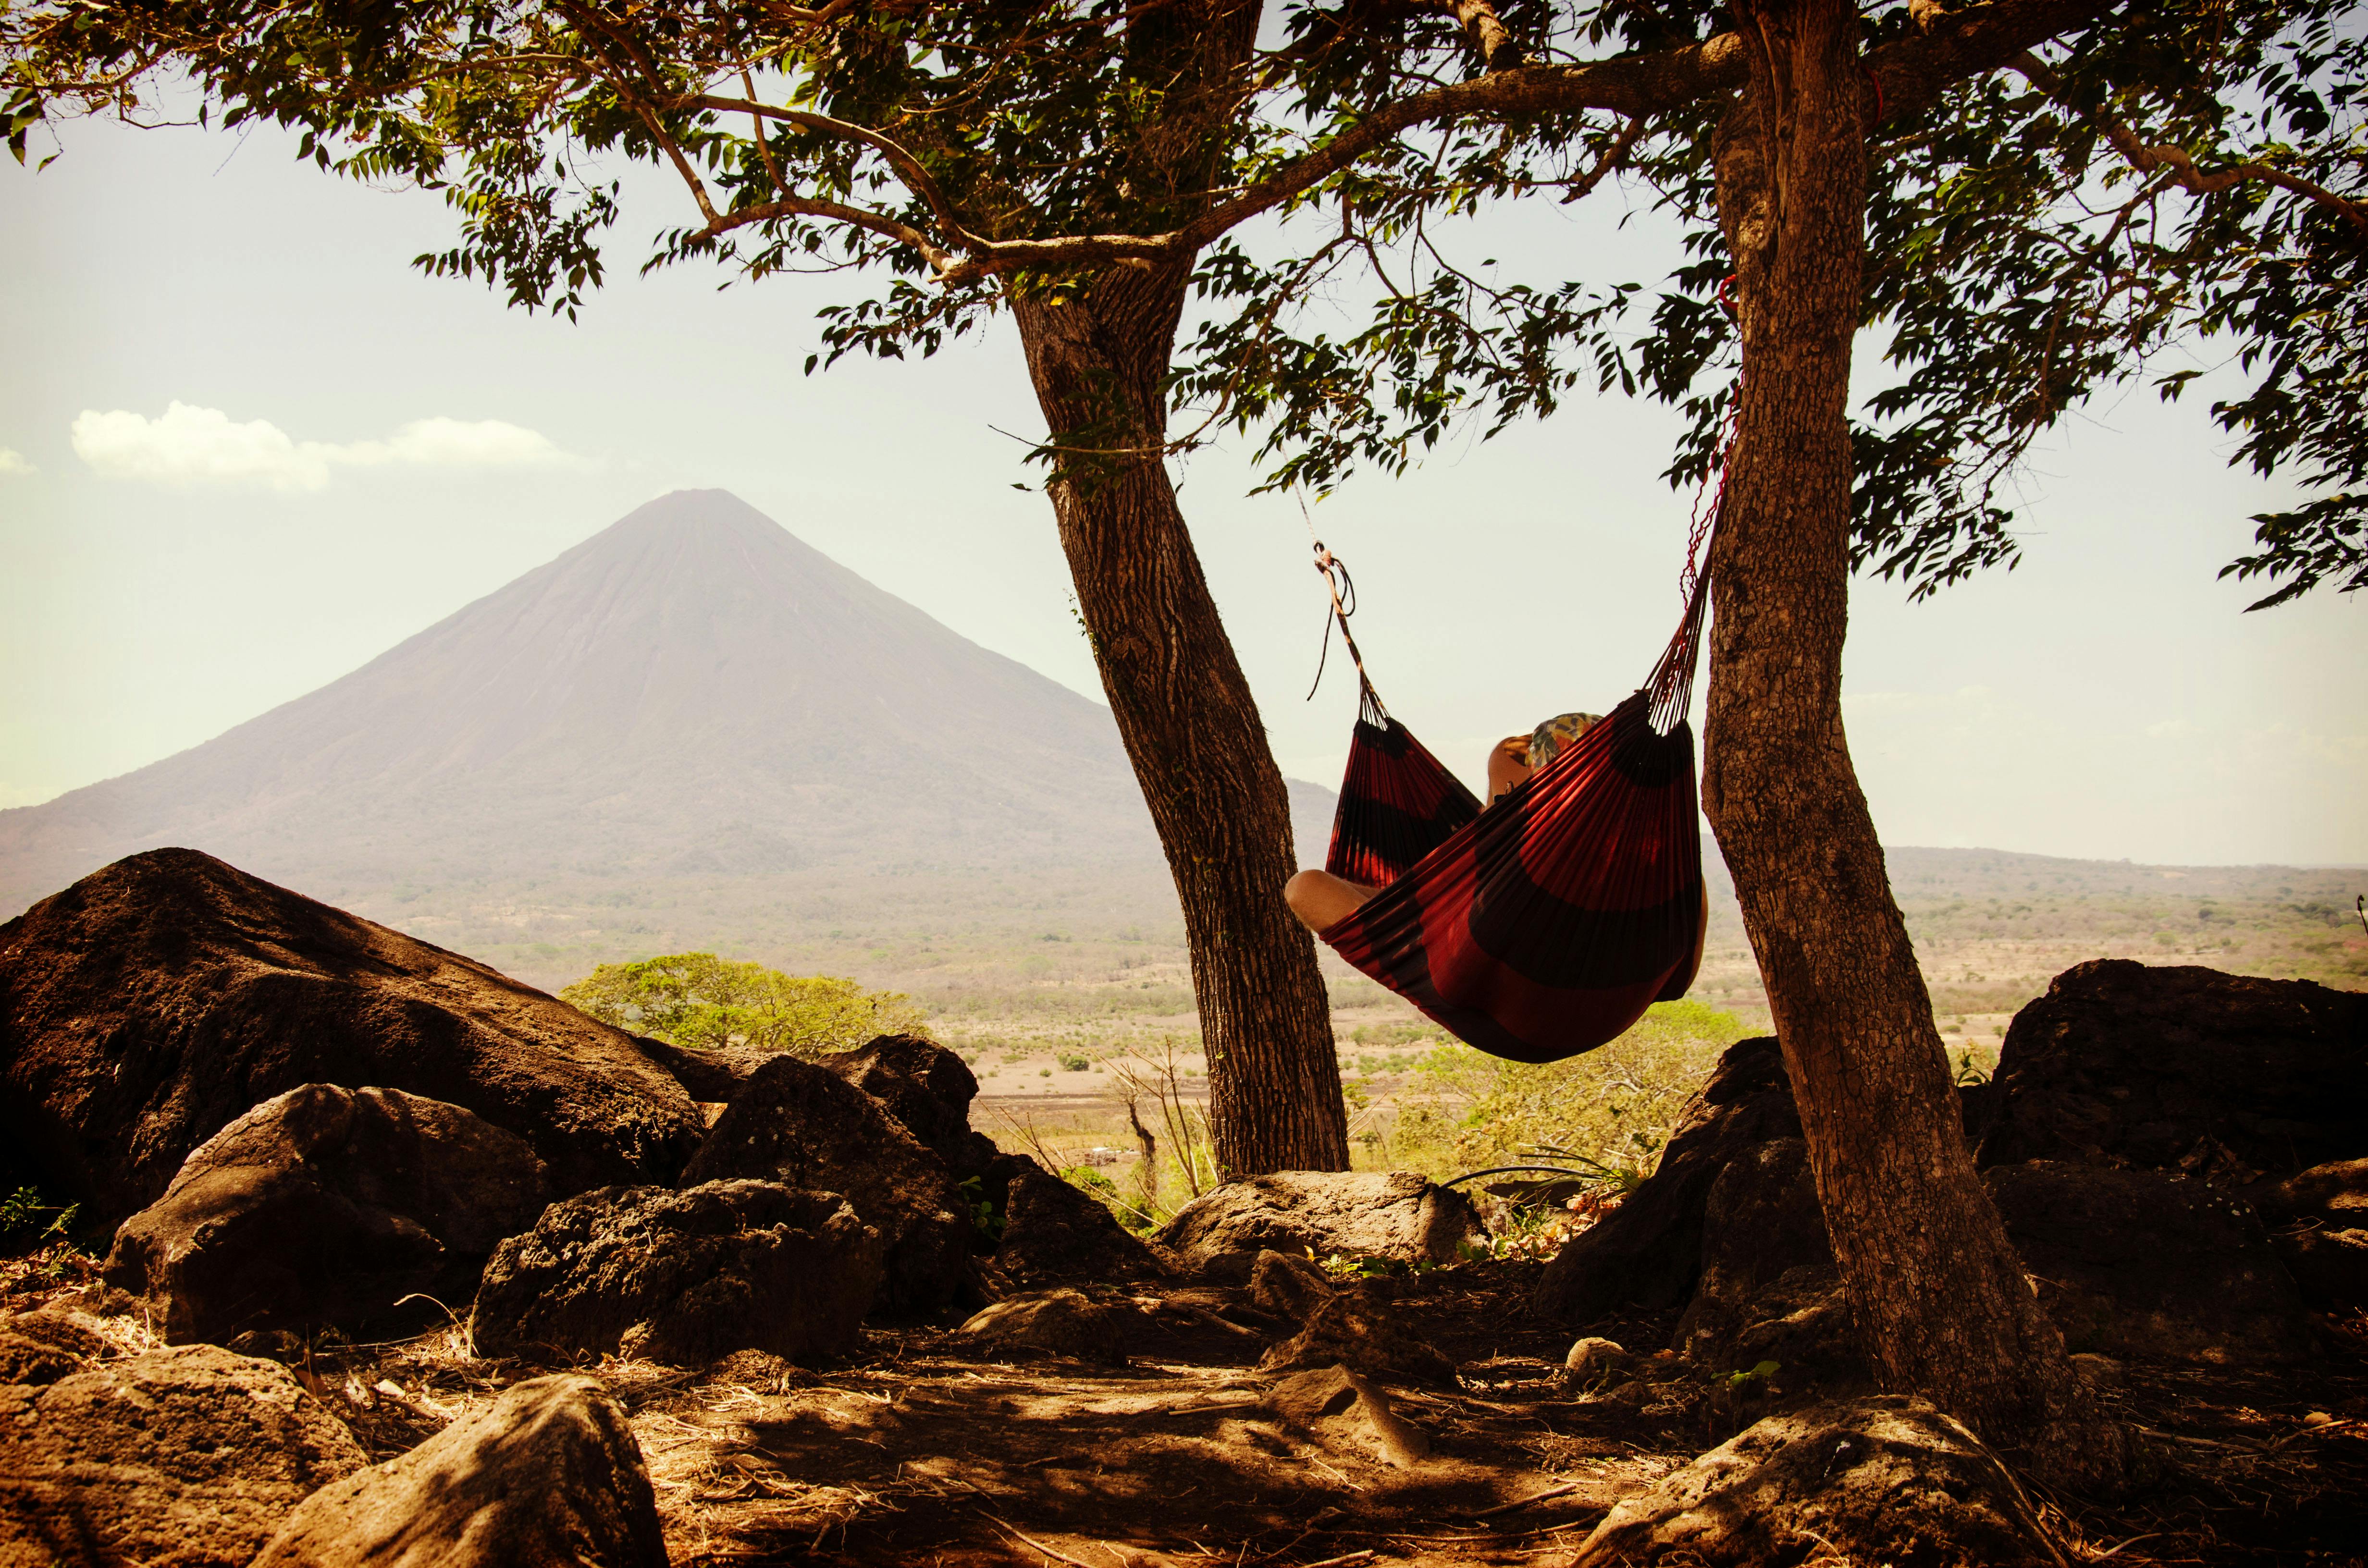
<point>27,1222</point>
<point>1611,1110</point>
<point>699,999</point>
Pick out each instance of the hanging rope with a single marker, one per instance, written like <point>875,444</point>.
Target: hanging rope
<point>1672,681</point>
<point>1343,591</point>
<point>1342,588</point>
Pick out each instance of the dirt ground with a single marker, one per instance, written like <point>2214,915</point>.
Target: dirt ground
<point>927,1450</point>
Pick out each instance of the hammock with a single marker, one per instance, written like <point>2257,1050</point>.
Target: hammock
<point>1542,925</point>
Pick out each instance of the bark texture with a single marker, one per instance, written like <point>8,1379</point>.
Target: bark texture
<point>1939,1295</point>
<point>1098,352</point>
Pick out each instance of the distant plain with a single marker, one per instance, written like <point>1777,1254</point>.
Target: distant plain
<point>1019,968</point>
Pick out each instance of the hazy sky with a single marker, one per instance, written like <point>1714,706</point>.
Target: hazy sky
<point>357,451</point>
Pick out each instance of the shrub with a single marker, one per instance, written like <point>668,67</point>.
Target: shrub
<point>699,999</point>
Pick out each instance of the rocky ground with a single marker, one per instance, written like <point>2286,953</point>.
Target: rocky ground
<point>411,1265</point>
<point>927,1447</point>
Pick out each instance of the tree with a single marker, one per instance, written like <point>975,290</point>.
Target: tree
<point>2017,278</point>
<point>699,999</point>
<point>1937,171</point>
<point>992,120</point>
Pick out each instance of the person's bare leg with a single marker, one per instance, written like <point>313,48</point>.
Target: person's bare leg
<point>1321,899</point>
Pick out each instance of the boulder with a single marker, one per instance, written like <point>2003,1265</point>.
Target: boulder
<point>804,1126</point>
<point>1595,1364</point>
<point>152,1003</point>
<point>1397,1215</point>
<point>2318,1221</point>
<point>928,1089</point>
<point>683,1278</point>
<point>1647,1252</point>
<point>1350,1331</point>
<point>2145,1264</point>
<point>2329,1268</point>
<point>1290,1286</point>
<point>1883,1479</point>
<point>1346,1413</point>
<point>326,1204</point>
<point>1053,1233</point>
<point>1057,1322</point>
<point>710,1075</point>
<point>549,1477</point>
<point>2183,1068</point>
<point>2126,1263</point>
<point>42,1347</point>
<point>1769,1290</point>
<point>2334,1195</point>
<point>190,1456</point>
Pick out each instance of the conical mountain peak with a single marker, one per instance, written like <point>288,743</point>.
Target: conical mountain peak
<point>690,690</point>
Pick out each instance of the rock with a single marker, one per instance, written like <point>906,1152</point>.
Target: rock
<point>2164,1068</point>
<point>1059,1322</point>
<point>1348,1331</point>
<point>1647,1252</point>
<point>1344,1412</point>
<point>2335,1195</point>
<point>926,1087</point>
<point>1397,1215</point>
<point>683,1278</point>
<point>1290,1286</point>
<point>710,1075</point>
<point>152,1003</point>
<point>2319,1221</point>
<point>42,1347</point>
<point>1053,1233</point>
<point>1770,1289</point>
<point>804,1126</point>
<point>2142,1263</point>
<point>190,1456</point>
<point>1595,1364</point>
<point>1883,1479</point>
<point>549,1477</point>
<point>2329,1268</point>
<point>326,1204</point>
<point>1305,1398</point>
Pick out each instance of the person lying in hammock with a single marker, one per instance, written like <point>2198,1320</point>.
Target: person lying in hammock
<point>1322,900</point>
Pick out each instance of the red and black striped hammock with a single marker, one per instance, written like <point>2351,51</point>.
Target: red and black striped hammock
<point>1546,924</point>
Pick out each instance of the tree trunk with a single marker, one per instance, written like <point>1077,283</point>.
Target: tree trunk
<point>1940,1296</point>
<point>1098,359</point>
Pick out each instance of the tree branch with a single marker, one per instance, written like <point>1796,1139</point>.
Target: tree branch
<point>1613,156</point>
<point>2176,163</point>
<point>1950,46</point>
<point>1486,31</point>
<point>908,168</point>
<point>939,258</point>
<point>1914,70</point>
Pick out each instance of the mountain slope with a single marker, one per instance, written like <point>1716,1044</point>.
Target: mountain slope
<point>690,692</point>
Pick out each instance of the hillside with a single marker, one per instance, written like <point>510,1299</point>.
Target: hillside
<point>690,696</point>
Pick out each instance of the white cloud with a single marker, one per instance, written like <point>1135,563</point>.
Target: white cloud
<point>191,446</point>
<point>14,462</point>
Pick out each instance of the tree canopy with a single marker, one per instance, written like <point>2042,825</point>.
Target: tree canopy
<point>2070,196</point>
<point>699,999</point>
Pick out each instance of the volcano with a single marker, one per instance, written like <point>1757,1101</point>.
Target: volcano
<point>693,692</point>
